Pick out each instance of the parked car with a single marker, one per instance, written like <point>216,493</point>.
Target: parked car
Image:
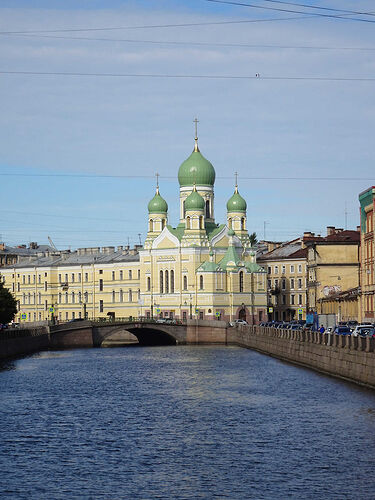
<point>239,322</point>
<point>363,330</point>
<point>342,330</point>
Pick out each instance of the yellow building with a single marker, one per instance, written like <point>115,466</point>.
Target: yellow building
<point>286,281</point>
<point>332,267</point>
<point>199,269</point>
<point>367,201</point>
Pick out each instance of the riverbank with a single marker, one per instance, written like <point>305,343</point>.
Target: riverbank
<point>19,342</point>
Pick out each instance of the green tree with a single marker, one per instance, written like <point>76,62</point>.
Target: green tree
<point>8,304</point>
<point>253,239</point>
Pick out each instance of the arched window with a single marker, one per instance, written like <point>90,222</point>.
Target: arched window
<point>73,298</point>
<point>60,298</point>
<point>161,282</point>
<point>113,296</point>
<point>201,222</point>
<point>208,209</point>
<point>243,224</point>
<point>86,294</point>
<point>185,283</point>
<point>166,282</point>
<point>130,296</point>
<point>66,297</point>
<point>241,281</point>
<point>201,282</point>
<point>148,283</point>
<point>187,222</point>
<point>172,281</point>
<point>151,225</point>
<point>121,296</point>
<point>230,223</point>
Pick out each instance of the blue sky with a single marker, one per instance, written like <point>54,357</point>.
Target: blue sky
<point>64,139</point>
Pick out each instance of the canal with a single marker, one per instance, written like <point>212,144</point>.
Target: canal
<point>181,423</point>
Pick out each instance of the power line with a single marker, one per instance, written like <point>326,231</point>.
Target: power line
<point>195,77</point>
<point>331,16</point>
<point>152,26</point>
<point>199,44</point>
<point>252,178</point>
<point>309,6</point>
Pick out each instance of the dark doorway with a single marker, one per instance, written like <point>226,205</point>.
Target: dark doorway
<point>242,314</point>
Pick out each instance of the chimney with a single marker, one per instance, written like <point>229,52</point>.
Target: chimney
<point>339,230</point>
<point>359,229</point>
<point>330,230</point>
<point>308,234</point>
<point>108,250</point>
<point>33,245</point>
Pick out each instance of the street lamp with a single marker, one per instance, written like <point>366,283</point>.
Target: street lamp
<point>191,307</point>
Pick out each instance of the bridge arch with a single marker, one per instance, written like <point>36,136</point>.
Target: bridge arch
<point>147,334</point>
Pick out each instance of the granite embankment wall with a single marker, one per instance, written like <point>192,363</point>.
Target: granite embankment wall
<point>21,342</point>
<point>347,357</point>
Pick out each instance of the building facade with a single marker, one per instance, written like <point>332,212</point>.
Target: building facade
<point>286,267</point>
<point>367,203</point>
<point>198,269</point>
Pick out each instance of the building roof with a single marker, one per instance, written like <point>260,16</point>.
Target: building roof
<point>346,236</point>
<point>289,250</point>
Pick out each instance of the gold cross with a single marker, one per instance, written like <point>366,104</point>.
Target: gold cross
<point>196,128</point>
<point>236,177</point>
<point>157,179</point>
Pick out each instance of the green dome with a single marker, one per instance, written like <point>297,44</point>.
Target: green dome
<point>236,203</point>
<point>194,201</point>
<point>157,205</point>
<point>196,170</point>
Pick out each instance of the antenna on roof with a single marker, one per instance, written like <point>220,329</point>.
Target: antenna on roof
<point>52,244</point>
<point>139,236</point>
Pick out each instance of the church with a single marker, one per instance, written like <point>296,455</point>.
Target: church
<point>197,270</point>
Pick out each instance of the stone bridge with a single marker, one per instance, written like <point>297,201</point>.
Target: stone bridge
<point>92,334</point>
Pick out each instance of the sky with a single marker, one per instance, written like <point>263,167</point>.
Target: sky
<point>97,96</point>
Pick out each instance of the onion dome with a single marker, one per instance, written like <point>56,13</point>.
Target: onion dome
<point>194,201</point>
<point>196,170</point>
<point>157,205</point>
<point>236,203</point>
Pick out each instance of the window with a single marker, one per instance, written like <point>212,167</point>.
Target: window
<point>201,222</point>
<point>292,269</point>
<point>59,300</point>
<point>23,279</point>
<point>113,275</point>
<point>283,269</point>
<point>39,279</point>
<point>292,284</point>
<point>292,300</point>
<point>121,296</point>
<point>79,298</point>
<point>45,305</point>
<point>148,283</point>
<point>86,277</point>
<point>139,274</point>
<point>45,286</point>
<point>283,300</point>
<point>28,279</point>
<point>276,283</point>
<point>241,281</point>
<point>130,274</point>
<point>100,285</point>
<point>161,283</point>
<point>300,299</point>
<point>73,315</point>
<point>243,224</point>
<point>66,297</point>
<point>184,315</point>
<point>172,281</point>
<point>151,225</point>
<point>66,316</point>
<point>59,278</point>
<point>130,296</point>
<point>187,222</point>
<point>72,278</point>
<point>18,287</point>
<point>139,294</point>
<point>299,283</point>
<point>166,282</point>
<point>121,275</point>
<point>79,277</point>
<point>230,223</point>
<point>283,284</point>
<point>276,269</point>
<point>300,268</point>
<point>207,208</point>
<point>100,271</point>
<point>201,282</point>
<point>269,283</point>
<point>200,314</point>
<point>101,306</point>
<point>185,283</point>
<point>66,278</point>
<point>39,298</point>
<point>113,296</point>
<point>86,297</point>
<point>73,298</point>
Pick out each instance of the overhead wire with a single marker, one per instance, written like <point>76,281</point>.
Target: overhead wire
<point>309,6</point>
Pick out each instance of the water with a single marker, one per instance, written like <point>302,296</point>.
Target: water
<point>181,423</point>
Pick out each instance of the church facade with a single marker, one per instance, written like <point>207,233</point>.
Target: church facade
<point>199,269</point>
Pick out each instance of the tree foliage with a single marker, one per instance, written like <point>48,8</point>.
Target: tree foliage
<point>253,238</point>
<point>8,305</point>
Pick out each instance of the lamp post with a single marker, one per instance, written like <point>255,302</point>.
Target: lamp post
<point>191,307</point>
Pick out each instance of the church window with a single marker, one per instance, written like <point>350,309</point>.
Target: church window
<point>161,282</point>
<point>208,209</point>
<point>151,225</point>
<point>185,283</point>
<point>148,284</point>
<point>172,281</point>
<point>243,224</point>
<point>166,282</point>
<point>241,281</point>
<point>163,223</point>
<point>201,282</point>
<point>230,223</point>
<point>201,222</point>
<point>187,222</point>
